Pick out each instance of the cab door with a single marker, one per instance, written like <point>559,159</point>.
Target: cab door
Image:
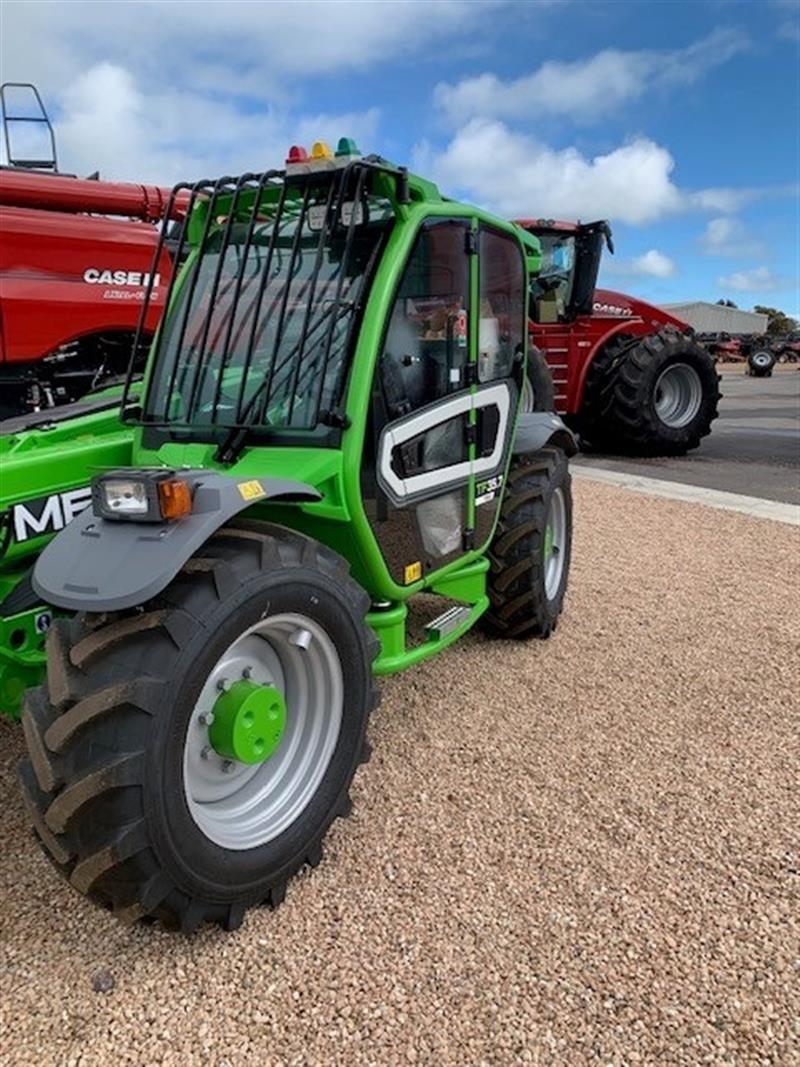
<point>416,473</point>
<point>444,398</point>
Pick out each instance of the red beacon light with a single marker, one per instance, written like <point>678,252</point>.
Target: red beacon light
<point>297,162</point>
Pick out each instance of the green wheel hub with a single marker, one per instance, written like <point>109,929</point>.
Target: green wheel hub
<point>248,723</point>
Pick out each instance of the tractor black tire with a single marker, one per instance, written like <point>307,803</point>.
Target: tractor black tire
<point>538,391</point>
<point>760,363</point>
<point>594,425</point>
<point>520,603</point>
<point>622,409</point>
<point>104,781</point>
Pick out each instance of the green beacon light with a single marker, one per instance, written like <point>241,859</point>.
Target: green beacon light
<point>346,151</point>
<point>347,147</point>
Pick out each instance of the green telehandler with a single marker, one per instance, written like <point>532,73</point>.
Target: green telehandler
<point>331,424</point>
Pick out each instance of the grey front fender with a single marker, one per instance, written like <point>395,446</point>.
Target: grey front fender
<point>535,429</point>
<point>96,564</point>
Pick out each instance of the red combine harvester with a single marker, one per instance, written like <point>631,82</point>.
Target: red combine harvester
<point>74,265</point>
<point>628,376</point>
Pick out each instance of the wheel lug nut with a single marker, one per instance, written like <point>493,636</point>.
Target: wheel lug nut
<point>205,752</point>
<point>247,672</point>
<point>227,766</point>
<point>205,718</point>
<point>222,684</point>
<point>301,639</point>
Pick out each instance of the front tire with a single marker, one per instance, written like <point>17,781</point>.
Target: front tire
<point>130,798</point>
<point>530,552</point>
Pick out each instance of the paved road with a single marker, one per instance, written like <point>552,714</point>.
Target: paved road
<point>754,447</point>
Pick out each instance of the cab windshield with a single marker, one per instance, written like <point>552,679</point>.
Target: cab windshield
<point>551,289</point>
<point>263,320</point>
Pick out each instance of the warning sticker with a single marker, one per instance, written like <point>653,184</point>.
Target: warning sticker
<point>461,328</point>
<point>251,490</point>
<point>413,572</point>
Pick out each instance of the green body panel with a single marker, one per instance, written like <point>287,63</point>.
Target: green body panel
<point>36,464</point>
<point>22,658</point>
<point>40,462</point>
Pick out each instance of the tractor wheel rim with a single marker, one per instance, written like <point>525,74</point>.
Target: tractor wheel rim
<point>239,805</point>
<point>678,395</point>
<point>761,359</point>
<point>555,543</point>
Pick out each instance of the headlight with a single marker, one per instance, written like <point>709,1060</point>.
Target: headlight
<point>124,497</point>
<point>141,496</point>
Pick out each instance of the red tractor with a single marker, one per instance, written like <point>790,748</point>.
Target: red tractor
<point>75,262</point>
<point>723,347</point>
<point>788,348</point>
<point>628,376</point>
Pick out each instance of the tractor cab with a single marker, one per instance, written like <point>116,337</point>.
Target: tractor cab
<point>564,287</point>
<point>342,313</point>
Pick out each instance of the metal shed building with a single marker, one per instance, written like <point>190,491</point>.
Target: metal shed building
<point>716,318</point>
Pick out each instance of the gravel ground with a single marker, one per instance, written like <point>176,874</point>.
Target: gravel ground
<point>583,851</point>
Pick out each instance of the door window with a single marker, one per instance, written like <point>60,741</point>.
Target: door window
<point>501,347</point>
<point>426,348</point>
<point>502,306</point>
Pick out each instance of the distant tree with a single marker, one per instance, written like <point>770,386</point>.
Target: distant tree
<point>727,304</point>
<point>777,321</point>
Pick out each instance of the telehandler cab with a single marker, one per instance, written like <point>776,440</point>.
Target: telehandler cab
<point>329,426</point>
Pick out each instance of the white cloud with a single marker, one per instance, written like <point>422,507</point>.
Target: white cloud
<point>587,88</point>
<point>789,24</point>
<point>726,236</point>
<point>651,264</point>
<point>724,198</point>
<point>518,176</point>
<point>110,122</point>
<point>235,47</point>
<point>172,90</point>
<point>758,280</point>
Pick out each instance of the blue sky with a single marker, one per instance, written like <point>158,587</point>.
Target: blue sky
<point>678,121</point>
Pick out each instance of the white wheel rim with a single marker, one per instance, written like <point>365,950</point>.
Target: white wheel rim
<point>678,395</point>
<point>555,544</point>
<point>241,806</point>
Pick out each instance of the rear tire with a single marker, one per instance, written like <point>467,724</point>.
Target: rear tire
<point>538,391</point>
<point>111,779</point>
<point>530,552</point>
<point>656,395</point>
